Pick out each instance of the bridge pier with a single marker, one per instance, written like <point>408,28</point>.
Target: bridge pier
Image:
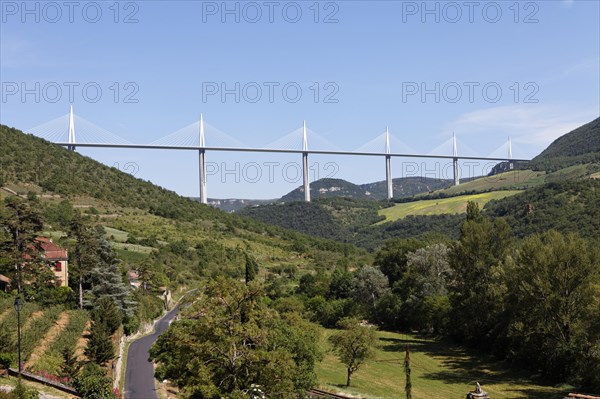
<point>305,170</point>
<point>202,164</point>
<point>388,177</point>
<point>511,164</point>
<point>305,177</point>
<point>71,131</point>
<point>455,161</point>
<point>388,166</point>
<point>456,171</point>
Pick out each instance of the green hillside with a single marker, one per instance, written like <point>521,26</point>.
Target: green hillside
<point>579,146</point>
<point>567,206</point>
<point>403,187</point>
<point>513,180</point>
<point>451,205</point>
<point>145,222</point>
<point>334,218</point>
<point>327,188</point>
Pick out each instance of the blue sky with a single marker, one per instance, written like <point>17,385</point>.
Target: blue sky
<point>423,69</point>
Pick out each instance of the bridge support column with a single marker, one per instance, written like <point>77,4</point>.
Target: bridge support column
<point>456,171</point>
<point>455,161</point>
<point>306,176</point>
<point>202,164</point>
<point>511,164</point>
<point>388,177</point>
<point>71,130</point>
<point>305,171</point>
<point>388,166</point>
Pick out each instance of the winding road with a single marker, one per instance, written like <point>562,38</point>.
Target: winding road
<point>139,374</point>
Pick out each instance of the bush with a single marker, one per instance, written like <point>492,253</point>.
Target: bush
<point>92,383</point>
<point>23,392</point>
<point>6,360</point>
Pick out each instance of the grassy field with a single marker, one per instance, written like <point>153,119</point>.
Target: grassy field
<point>516,179</point>
<point>441,206</point>
<point>439,370</point>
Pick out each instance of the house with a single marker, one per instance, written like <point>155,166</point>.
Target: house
<point>57,258</point>
<point>4,283</point>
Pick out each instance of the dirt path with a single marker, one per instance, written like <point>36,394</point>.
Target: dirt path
<point>49,338</point>
<point>34,316</point>
<point>82,343</point>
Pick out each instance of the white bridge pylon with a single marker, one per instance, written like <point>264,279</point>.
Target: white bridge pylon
<point>66,128</point>
<point>72,131</point>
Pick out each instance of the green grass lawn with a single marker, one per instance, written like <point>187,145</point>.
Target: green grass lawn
<point>439,370</point>
<point>441,206</point>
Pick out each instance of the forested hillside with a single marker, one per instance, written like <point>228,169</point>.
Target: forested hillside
<point>327,188</point>
<point>26,158</point>
<point>567,206</point>
<point>406,186</point>
<point>579,146</point>
<point>403,187</point>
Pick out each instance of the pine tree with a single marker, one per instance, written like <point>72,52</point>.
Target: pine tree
<point>100,348</point>
<point>22,224</point>
<point>106,313</point>
<point>70,367</point>
<point>84,251</point>
<point>251,268</point>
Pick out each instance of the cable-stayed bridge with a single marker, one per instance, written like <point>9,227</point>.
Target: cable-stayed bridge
<point>72,131</point>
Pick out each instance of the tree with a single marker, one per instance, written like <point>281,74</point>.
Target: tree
<point>555,292</point>
<point>92,383</point>
<point>85,249</point>
<point>424,288</point>
<point>370,283</point>
<point>97,267</point>
<point>70,366</point>
<point>341,285</point>
<point>229,342</point>
<point>408,385</point>
<point>391,258</point>
<point>22,223</point>
<point>106,280</point>
<point>251,267</point>
<point>105,312</point>
<point>100,348</point>
<point>478,290</point>
<point>354,345</point>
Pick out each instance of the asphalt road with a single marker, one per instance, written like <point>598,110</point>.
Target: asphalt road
<point>139,375</point>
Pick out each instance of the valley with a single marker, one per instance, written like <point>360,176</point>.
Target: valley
<point>313,265</point>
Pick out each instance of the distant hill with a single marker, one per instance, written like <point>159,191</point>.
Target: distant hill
<point>327,188</point>
<point>406,186</point>
<point>579,146</point>
<point>403,187</point>
<point>233,204</point>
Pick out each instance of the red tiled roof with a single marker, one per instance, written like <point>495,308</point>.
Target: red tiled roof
<point>51,251</point>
